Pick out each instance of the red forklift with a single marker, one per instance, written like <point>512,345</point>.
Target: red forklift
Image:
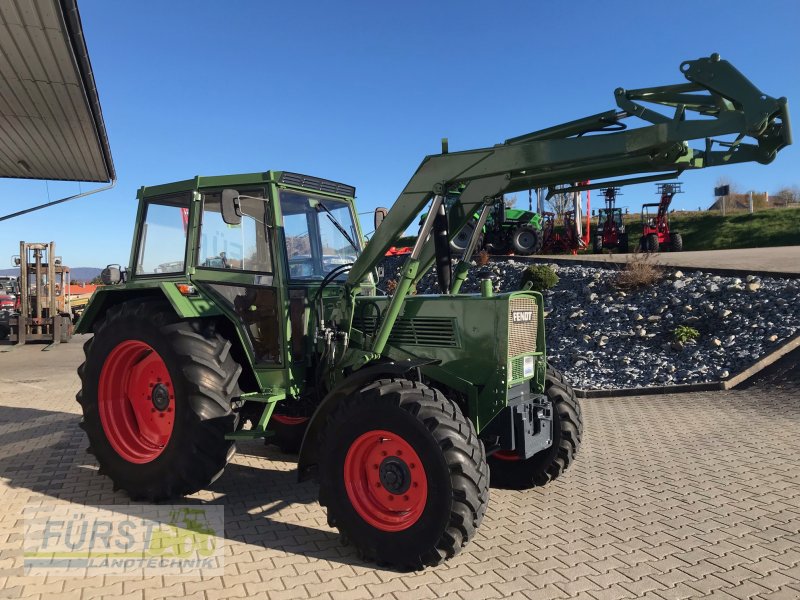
<point>656,233</point>
<point>611,232</point>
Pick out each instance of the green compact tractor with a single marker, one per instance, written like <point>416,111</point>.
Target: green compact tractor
<point>249,310</point>
<point>506,230</point>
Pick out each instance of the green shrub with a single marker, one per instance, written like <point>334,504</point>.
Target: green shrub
<point>541,277</point>
<point>684,333</point>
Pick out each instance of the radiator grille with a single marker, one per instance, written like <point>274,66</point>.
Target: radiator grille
<point>517,369</point>
<point>522,333</point>
<point>416,331</point>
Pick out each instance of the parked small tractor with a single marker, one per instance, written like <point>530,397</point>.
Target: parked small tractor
<point>249,310</point>
<point>507,230</point>
<point>656,232</point>
<point>610,234</point>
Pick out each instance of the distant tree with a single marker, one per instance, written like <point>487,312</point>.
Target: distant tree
<point>510,201</point>
<point>788,195</point>
<point>560,203</point>
<point>96,281</point>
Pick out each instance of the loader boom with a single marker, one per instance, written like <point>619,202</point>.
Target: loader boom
<point>597,148</point>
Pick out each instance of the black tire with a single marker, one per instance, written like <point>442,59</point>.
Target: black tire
<point>526,240</point>
<point>597,247</point>
<point>548,464</point>
<point>651,243</point>
<point>624,245</point>
<point>448,448</point>
<point>459,242</point>
<point>287,433</point>
<point>676,242</point>
<point>497,243</point>
<point>204,376</point>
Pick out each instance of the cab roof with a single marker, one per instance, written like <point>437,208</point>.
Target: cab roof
<point>306,182</point>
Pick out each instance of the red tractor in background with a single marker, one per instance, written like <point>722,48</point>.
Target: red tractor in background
<point>656,233</point>
<point>611,232</point>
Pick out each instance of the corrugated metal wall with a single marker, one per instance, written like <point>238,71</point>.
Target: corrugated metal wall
<point>47,129</point>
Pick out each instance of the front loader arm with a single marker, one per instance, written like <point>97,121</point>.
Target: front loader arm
<point>654,152</point>
<point>596,148</point>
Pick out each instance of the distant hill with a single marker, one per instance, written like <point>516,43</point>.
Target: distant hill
<point>76,273</point>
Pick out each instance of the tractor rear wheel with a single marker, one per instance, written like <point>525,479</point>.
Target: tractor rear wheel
<point>676,242</point>
<point>459,242</point>
<point>403,474</point>
<point>526,240</point>
<point>288,432</point>
<point>651,243</point>
<point>511,472</point>
<point>156,398</point>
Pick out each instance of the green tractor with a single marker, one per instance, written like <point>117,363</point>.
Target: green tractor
<point>249,310</point>
<point>506,230</point>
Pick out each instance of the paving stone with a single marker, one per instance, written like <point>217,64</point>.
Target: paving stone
<point>672,497</point>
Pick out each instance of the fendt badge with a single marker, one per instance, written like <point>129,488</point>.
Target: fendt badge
<point>522,316</point>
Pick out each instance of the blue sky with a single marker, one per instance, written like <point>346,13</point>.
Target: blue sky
<point>360,92</point>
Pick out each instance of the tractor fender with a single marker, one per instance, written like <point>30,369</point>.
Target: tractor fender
<point>309,450</point>
<point>185,307</point>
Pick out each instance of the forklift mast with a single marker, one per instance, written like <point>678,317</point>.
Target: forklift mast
<point>610,196</point>
<point>666,191</point>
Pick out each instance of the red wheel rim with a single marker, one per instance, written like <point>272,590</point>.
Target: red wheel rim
<point>505,455</point>
<point>289,420</point>
<point>136,400</point>
<point>385,480</point>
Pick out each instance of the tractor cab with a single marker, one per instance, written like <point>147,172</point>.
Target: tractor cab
<point>610,219</point>
<point>651,221</point>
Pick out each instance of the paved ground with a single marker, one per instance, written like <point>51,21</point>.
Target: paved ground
<point>683,496</point>
<point>784,259</point>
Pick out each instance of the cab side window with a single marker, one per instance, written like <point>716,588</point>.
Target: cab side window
<point>243,247</point>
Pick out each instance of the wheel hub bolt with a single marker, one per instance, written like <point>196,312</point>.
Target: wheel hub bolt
<point>395,475</point>
<point>160,397</point>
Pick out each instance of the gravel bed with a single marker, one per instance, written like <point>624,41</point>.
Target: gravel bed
<point>604,338</point>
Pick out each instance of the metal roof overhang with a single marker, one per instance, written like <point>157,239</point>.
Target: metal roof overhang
<point>51,125</point>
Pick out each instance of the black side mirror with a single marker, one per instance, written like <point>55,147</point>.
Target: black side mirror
<point>231,210</point>
<point>111,275</point>
<point>380,215</point>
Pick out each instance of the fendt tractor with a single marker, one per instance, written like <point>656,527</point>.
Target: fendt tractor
<point>249,305</point>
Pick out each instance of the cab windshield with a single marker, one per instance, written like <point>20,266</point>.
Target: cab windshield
<point>320,234</point>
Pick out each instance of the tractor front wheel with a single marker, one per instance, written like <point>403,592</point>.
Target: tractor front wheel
<point>597,247</point>
<point>650,243</point>
<point>403,474</point>
<point>156,398</point>
<point>511,472</point>
<point>676,242</point>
